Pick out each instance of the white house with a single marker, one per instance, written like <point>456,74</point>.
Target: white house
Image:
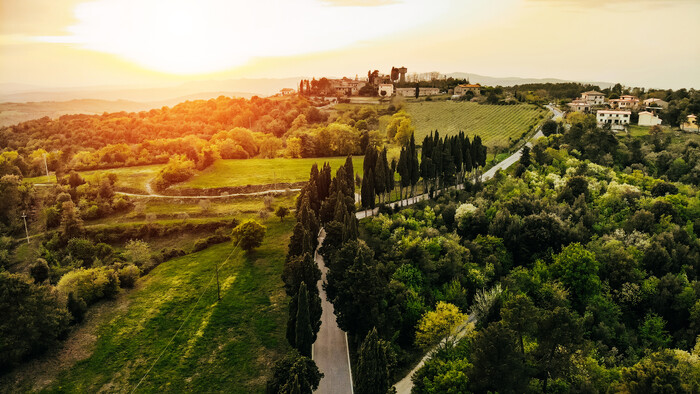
<point>386,90</point>
<point>647,118</point>
<point>579,106</point>
<point>616,119</point>
<point>411,92</point>
<point>624,102</point>
<point>593,98</point>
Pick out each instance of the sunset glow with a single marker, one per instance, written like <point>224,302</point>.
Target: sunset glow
<point>187,37</point>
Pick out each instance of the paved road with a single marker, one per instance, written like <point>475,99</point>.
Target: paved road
<point>330,351</point>
<point>405,385</point>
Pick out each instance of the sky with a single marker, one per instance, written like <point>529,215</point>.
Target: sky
<point>71,43</point>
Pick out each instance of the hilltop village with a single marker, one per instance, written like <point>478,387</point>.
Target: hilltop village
<point>396,83</point>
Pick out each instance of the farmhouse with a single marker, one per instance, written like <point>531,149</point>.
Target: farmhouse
<point>647,118</point>
<point>386,90</point>
<point>593,98</point>
<point>461,90</point>
<point>624,102</point>
<point>616,119</point>
<point>654,102</point>
<point>579,106</point>
<point>347,86</point>
<point>691,124</point>
<point>287,92</point>
<point>411,92</point>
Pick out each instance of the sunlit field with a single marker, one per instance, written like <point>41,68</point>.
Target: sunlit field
<point>496,124</point>
<point>262,171</point>
<point>228,345</point>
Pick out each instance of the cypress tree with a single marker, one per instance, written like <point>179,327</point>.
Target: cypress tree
<point>299,269</point>
<point>367,190</point>
<point>403,170</point>
<point>340,211</point>
<point>324,182</point>
<point>437,163</point>
<point>313,175</point>
<point>304,335</point>
<point>349,177</point>
<point>296,241</point>
<point>380,176</point>
<point>457,157</point>
<point>476,151</point>
<point>448,165</point>
<point>372,366</point>
<point>390,171</point>
<point>525,159</point>
<point>467,155</point>
<point>370,160</point>
<point>291,333</point>
<point>415,166</point>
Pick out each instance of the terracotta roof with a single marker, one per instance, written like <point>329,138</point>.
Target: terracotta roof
<point>594,93</point>
<point>615,112</point>
<point>469,86</point>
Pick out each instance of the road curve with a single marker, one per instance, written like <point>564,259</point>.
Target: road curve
<point>405,385</point>
<point>330,351</point>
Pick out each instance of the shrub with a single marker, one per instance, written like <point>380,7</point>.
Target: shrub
<point>128,275</point>
<point>91,284</point>
<point>77,307</point>
<point>178,169</point>
<point>281,212</point>
<point>40,270</point>
<point>248,235</point>
<point>171,253</point>
<point>139,253</point>
<point>213,240</point>
<point>122,203</point>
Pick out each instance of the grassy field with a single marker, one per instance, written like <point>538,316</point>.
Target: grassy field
<point>494,123</point>
<point>128,178</point>
<point>227,345</point>
<point>261,171</point>
<point>223,173</point>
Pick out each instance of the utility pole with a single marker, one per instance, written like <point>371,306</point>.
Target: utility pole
<point>46,167</point>
<point>26,230</point>
<point>218,288</point>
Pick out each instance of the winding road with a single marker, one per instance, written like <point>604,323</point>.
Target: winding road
<point>330,351</point>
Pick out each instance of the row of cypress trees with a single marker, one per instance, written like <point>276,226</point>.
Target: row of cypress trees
<point>327,201</point>
<point>444,162</point>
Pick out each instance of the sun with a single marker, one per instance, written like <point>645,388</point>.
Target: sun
<point>196,37</point>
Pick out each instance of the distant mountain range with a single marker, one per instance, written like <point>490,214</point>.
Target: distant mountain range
<point>21,102</point>
<point>510,81</point>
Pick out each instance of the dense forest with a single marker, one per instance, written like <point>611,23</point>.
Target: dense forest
<point>202,131</point>
<point>580,270</point>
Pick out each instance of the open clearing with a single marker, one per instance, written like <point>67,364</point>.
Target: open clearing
<point>223,173</point>
<point>261,171</point>
<point>229,345</point>
<point>496,124</point>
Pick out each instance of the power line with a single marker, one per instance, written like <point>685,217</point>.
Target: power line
<point>235,247</point>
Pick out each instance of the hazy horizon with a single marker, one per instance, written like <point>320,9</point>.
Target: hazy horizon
<point>75,43</point>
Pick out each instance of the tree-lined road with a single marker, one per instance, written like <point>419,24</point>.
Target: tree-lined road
<point>330,351</point>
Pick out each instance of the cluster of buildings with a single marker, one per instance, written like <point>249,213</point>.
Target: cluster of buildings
<point>382,85</point>
<point>618,112</point>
